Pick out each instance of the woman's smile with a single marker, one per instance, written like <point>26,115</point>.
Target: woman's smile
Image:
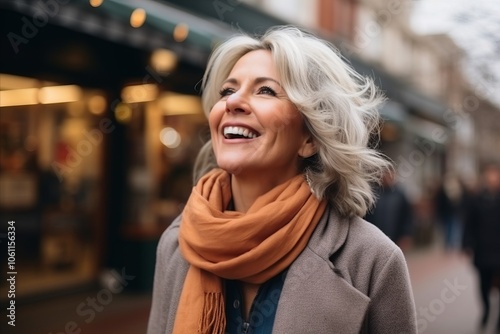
<point>232,132</point>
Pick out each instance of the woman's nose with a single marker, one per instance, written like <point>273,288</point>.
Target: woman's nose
<point>237,102</point>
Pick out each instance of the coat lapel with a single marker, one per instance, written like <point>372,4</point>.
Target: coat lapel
<point>315,299</point>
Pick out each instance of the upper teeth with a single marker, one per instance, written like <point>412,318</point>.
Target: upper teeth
<point>237,130</point>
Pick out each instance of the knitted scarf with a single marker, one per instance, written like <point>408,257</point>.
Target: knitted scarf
<point>252,247</point>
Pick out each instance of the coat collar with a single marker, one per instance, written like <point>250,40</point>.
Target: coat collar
<point>330,234</point>
<point>315,298</point>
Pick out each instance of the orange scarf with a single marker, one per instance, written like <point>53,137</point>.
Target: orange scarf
<point>252,247</point>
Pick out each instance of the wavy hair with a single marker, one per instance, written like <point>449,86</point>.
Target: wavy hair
<point>339,107</point>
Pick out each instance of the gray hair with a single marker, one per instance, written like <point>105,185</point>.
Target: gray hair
<point>339,107</point>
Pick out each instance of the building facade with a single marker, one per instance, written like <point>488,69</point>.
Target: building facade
<point>100,120</point>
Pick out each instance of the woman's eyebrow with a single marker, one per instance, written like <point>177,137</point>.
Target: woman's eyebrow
<point>256,80</point>
<point>262,79</point>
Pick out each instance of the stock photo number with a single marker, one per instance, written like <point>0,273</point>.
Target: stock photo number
<point>11,272</point>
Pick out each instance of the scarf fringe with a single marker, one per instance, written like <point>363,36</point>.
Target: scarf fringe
<point>213,320</point>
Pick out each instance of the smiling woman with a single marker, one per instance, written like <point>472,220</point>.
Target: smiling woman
<point>270,240</point>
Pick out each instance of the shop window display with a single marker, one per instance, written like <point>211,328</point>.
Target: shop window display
<point>52,177</point>
<point>50,169</point>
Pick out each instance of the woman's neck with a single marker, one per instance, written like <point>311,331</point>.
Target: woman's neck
<point>246,190</point>
<point>245,193</point>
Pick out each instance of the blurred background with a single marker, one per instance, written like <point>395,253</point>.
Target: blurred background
<point>100,121</point>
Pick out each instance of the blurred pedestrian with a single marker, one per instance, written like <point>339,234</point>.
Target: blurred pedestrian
<point>392,212</point>
<point>270,240</point>
<point>448,211</point>
<point>482,235</point>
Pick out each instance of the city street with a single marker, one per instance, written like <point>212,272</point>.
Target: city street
<point>446,293</point>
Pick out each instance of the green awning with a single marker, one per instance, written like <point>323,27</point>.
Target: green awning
<point>111,21</point>
<point>164,17</point>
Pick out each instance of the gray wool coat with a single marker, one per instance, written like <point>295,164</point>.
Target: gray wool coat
<point>350,278</point>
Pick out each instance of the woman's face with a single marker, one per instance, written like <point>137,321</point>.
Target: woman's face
<point>256,131</point>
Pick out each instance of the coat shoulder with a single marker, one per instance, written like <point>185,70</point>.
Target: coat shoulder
<point>365,254</point>
<point>369,237</point>
<point>169,243</point>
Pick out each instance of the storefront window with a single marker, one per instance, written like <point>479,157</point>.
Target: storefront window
<point>51,147</point>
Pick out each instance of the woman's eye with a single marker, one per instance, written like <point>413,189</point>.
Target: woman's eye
<point>267,90</point>
<point>226,91</point>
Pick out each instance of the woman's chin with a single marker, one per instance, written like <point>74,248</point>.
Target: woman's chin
<point>233,170</point>
<point>232,167</point>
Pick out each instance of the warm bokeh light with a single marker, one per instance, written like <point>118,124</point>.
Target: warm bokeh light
<point>44,95</point>
<point>138,17</point>
<point>97,104</point>
<point>59,94</point>
<point>163,60</point>
<point>18,97</point>
<point>96,3</point>
<point>180,104</point>
<point>170,137</point>
<point>123,113</point>
<point>139,93</point>
<point>181,32</point>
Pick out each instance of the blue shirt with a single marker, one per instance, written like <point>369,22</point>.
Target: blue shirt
<point>262,311</point>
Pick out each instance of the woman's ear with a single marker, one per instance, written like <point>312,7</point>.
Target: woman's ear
<point>308,148</point>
